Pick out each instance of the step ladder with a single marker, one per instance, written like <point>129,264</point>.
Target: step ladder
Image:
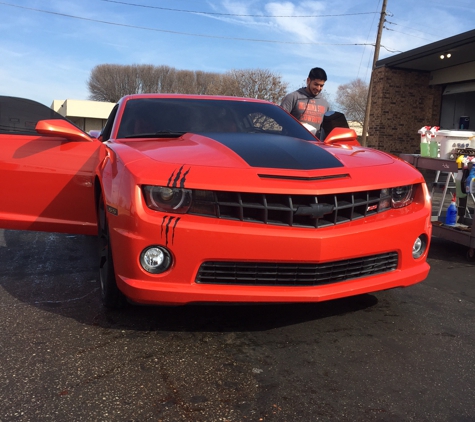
<point>446,180</point>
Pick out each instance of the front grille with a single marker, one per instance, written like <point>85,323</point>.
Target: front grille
<point>284,274</point>
<point>290,210</point>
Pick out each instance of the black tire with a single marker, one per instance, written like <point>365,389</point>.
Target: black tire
<point>111,296</point>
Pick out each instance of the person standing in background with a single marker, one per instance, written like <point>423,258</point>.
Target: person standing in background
<point>307,103</point>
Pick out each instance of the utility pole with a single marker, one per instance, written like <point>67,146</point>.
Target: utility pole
<point>375,59</point>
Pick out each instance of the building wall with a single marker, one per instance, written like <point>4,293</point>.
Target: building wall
<point>88,123</point>
<point>402,102</point>
<point>88,115</point>
<point>460,73</point>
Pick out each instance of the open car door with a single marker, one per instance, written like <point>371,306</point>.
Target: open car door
<point>47,178</point>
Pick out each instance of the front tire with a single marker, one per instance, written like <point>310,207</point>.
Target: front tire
<point>111,296</point>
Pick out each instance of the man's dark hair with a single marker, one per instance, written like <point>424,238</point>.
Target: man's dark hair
<point>317,73</point>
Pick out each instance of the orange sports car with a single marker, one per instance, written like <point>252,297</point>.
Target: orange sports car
<point>216,199</point>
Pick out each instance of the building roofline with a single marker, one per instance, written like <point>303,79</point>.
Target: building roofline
<point>399,60</point>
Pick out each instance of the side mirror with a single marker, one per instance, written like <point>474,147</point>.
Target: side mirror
<point>94,133</point>
<point>61,129</point>
<point>342,136</point>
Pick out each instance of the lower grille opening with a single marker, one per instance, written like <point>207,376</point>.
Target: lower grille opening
<point>291,274</point>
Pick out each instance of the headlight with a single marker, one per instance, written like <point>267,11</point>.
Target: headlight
<point>401,196</point>
<point>398,197</point>
<point>165,199</point>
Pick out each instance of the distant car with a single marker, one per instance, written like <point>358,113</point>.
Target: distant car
<point>216,199</point>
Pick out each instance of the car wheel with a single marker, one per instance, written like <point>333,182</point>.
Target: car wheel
<point>112,297</point>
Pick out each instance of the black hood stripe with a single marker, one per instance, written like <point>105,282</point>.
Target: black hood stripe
<point>278,152</point>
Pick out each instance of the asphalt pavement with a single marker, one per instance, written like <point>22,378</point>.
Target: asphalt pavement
<point>400,355</point>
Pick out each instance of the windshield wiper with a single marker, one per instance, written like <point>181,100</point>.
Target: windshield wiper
<point>160,134</point>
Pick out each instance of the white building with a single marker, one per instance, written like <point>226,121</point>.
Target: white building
<point>88,115</point>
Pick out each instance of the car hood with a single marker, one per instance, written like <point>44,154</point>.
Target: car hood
<point>256,151</point>
<point>260,162</point>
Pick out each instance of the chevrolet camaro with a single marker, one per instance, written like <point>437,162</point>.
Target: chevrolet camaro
<point>216,199</point>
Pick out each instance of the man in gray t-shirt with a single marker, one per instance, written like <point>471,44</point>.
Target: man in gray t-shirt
<point>307,104</point>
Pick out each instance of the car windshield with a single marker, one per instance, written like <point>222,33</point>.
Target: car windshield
<point>150,117</point>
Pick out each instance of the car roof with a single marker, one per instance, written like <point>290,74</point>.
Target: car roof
<point>192,97</point>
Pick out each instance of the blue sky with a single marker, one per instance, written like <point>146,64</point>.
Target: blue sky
<point>49,47</point>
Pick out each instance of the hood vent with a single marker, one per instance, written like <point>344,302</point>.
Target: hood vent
<point>304,178</point>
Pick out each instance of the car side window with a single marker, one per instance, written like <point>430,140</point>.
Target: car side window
<point>19,116</point>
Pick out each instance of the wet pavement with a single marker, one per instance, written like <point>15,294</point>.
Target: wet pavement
<point>400,355</point>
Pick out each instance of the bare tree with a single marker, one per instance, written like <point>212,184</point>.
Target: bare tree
<point>185,82</point>
<point>166,79</point>
<point>207,83</point>
<point>351,98</point>
<point>148,77</point>
<point>110,82</point>
<point>258,83</point>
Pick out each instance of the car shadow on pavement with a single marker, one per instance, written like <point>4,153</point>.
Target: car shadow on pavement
<point>235,317</point>
<point>57,273</point>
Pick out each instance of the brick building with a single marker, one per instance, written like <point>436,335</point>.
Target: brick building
<point>430,85</point>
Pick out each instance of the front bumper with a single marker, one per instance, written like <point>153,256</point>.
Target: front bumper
<point>193,240</point>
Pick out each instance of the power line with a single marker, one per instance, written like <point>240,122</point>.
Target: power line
<point>235,14</point>
<point>389,50</point>
<point>177,32</point>
<point>404,33</point>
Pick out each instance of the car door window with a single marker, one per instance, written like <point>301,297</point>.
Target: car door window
<point>20,115</point>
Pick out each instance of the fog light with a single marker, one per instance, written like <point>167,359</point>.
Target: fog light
<point>419,246</point>
<point>155,259</point>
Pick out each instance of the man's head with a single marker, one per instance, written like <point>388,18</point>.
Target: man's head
<point>316,80</point>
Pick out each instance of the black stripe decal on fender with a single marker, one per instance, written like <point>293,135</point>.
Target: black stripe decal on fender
<point>178,178</point>
<point>167,226</point>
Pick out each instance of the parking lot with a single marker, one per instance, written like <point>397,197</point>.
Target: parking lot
<point>400,355</point>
